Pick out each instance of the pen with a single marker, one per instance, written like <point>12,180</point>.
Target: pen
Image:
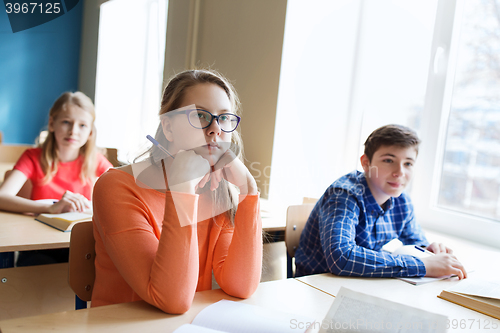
<point>157,144</point>
<point>421,249</point>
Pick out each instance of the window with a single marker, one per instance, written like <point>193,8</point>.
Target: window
<point>348,67</point>
<point>459,186</point>
<point>129,78</point>
<point>470,175</point>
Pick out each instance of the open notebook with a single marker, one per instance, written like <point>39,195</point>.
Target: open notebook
<point>351,311</point>
<point>418,252</point>
<point>228,316</point>
<point>64,221</point>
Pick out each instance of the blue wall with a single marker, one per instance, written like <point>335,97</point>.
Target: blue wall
<point>36,66</point>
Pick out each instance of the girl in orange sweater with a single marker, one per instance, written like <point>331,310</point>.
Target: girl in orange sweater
<point>163,225</point>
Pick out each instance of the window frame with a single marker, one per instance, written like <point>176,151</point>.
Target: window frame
<point>431,153</point>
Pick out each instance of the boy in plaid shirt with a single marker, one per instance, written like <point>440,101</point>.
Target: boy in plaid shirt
<point>362,211</point>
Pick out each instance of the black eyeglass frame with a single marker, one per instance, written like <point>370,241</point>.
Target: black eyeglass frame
<point>188,111</point>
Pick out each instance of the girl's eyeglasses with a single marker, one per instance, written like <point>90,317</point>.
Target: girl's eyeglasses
<point>200,118</point>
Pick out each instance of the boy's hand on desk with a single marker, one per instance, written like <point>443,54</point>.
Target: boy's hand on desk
<point>437,248</point>
<point>443,264</point>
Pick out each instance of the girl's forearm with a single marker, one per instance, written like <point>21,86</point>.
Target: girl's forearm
<point>17,204</point>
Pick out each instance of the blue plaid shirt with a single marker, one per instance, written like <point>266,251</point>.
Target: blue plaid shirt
<point>346,230</point>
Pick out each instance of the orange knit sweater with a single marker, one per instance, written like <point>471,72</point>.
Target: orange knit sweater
<point>142,252</point>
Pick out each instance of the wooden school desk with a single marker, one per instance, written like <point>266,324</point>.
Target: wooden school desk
<point>32,290</point>
<point>284,295</point>
<point>273,224</point>
<point>28,291</point>
<point>273,217</point>
<point>481,259</point>
<point>19,232</point>
<point>423,297</point>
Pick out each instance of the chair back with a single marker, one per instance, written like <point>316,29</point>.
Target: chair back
<point>81,260</point>
<point>112,156</point>
<point>296,218</point>
<point>11,153</point>
<point>308,200</point>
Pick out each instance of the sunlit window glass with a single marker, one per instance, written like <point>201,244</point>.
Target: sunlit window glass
<point>129,74</point>
<point>470,178</point>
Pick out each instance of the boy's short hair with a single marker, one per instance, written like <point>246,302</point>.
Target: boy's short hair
<point>390,135</point>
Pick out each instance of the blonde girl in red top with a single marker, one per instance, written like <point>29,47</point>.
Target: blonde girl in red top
<point>164,225</point>
<point>64,167</point>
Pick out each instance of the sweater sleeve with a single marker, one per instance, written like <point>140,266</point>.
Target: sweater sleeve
<point>237,261</point>
<point>160,265</point>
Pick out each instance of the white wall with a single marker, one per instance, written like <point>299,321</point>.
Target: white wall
<point>242,40</point>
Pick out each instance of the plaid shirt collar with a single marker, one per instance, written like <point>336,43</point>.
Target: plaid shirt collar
<point>372,207</point>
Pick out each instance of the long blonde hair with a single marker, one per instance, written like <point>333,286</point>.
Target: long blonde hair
<point>49,158</point>
<point>224,195</point>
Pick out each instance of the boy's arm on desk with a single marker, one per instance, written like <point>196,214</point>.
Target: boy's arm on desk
<point>474,256</point>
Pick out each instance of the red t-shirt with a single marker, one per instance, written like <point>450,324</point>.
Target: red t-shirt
<point>67,177</point>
